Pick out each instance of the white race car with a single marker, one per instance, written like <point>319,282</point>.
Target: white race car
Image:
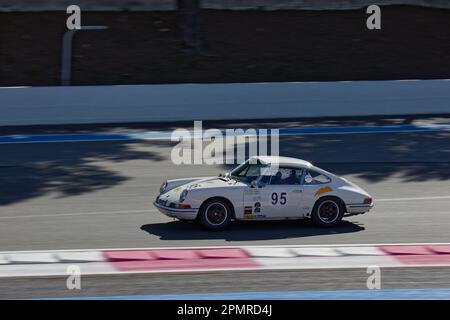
<point>264,188</point>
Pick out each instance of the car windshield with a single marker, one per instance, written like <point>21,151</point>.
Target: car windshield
<point>247,172</point>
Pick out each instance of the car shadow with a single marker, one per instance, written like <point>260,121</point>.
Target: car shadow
<point>247,230</point>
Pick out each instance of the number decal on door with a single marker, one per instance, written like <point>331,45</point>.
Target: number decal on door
<point>283,198</point>
<point>279,200</point>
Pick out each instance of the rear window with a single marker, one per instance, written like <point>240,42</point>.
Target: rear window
<point>317,177</point>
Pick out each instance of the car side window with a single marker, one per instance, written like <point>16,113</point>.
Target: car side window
<point>314,177</point>
<point>286,176</point>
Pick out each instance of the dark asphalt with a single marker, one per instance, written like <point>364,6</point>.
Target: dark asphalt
<point>99,195</point>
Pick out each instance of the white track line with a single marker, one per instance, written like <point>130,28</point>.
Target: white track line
<point>237,246</point>
<point>56,215</point>
<point>412,199</point>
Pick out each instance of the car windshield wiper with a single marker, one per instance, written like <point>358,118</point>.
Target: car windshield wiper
<point>229,176</point>
<point>224,177</point>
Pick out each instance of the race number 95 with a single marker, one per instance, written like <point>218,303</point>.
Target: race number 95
<point>279,199</point>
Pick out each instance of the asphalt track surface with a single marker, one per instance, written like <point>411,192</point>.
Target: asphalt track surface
<point>98,195</point>
<point>223,282</point>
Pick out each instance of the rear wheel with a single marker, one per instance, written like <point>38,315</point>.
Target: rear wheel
<point>327,212</point>
<point>215,214</point>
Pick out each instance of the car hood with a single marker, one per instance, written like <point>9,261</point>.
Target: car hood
<point>201,182</point>
<point>215,182</point>
<point>177,186</point>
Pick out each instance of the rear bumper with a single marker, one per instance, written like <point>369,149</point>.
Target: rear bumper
<point>185,214</point>
<point>357,208</point>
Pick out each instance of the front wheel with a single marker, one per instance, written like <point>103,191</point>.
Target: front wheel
<point>215,214</point>
<point>327,212</point>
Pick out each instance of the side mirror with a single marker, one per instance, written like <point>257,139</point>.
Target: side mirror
<point>254,184</point>
<point>308,178</point>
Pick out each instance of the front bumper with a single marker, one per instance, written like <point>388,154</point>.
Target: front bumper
<point>185,214</point>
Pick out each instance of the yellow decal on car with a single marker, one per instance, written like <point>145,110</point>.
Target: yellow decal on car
<point>248,214</point>
<point>323,190</point>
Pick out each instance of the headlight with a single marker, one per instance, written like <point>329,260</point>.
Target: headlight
<point>183,195</point>
<point>163,187</point>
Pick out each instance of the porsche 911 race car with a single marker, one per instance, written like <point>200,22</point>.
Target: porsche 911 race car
<point>264,188</point>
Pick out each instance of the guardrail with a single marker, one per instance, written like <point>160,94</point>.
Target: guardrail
<point>155,103</point>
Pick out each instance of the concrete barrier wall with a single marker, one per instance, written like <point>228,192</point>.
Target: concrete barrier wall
<point>163,5</point>
<point>103,104</point>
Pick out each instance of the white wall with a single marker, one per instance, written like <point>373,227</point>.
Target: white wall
<point>103,104</point>
<point>137,5</point>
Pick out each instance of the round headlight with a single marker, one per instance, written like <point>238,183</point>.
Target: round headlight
<point>183,195</point>
<point>163,187</point>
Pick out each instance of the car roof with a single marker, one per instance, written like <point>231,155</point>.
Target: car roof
<point>283,161</point>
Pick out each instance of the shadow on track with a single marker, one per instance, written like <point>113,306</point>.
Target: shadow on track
<point>247,231</point>
<point>67,169</point>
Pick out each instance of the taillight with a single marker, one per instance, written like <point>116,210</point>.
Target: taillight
<point>368,200</point>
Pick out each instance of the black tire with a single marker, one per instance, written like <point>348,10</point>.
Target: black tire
<point>327,212</point>
<point>215,214</point>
